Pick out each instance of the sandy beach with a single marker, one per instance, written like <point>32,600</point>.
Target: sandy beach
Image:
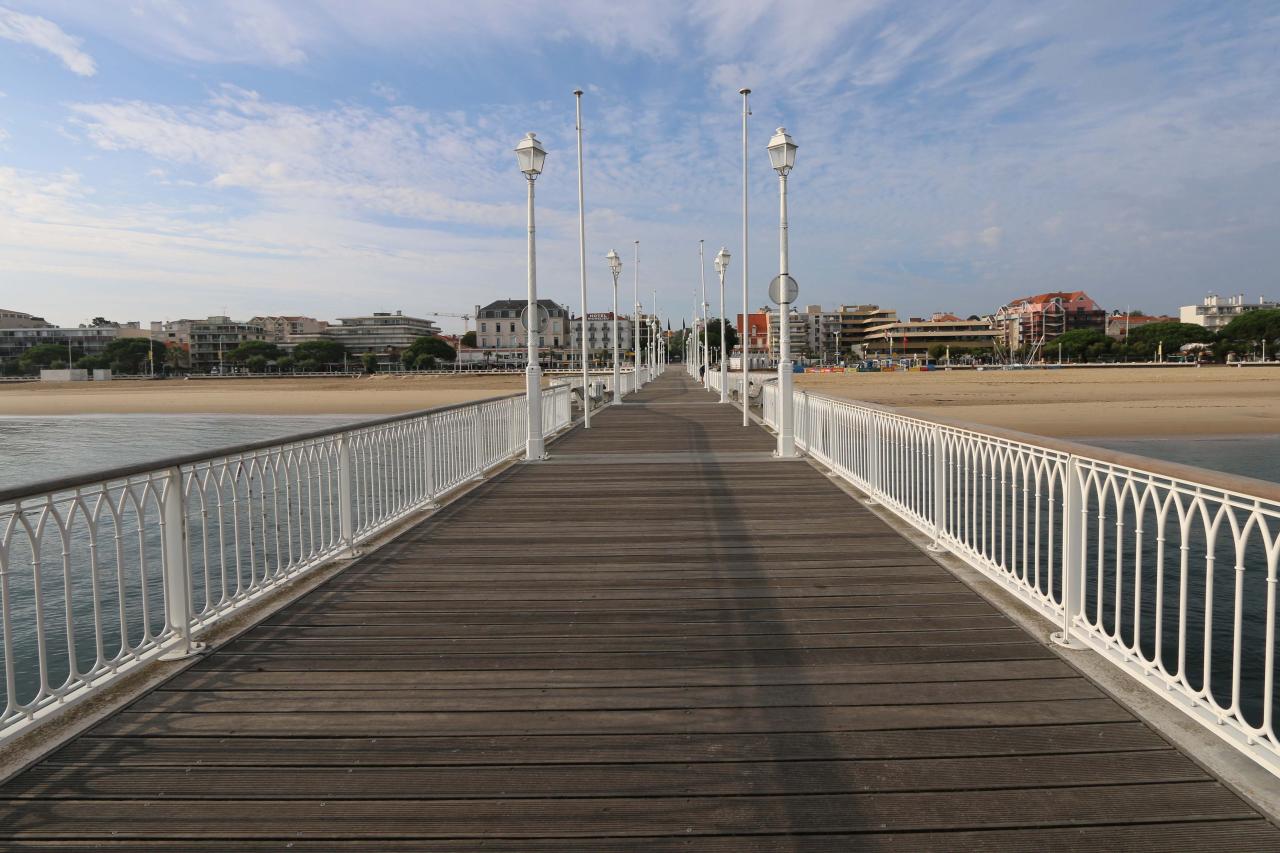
<point>1080,403</point>
<point>372,395</point>
<point>1116,403</point>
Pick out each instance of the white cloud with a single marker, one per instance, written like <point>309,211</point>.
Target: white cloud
<point>386,91</point>
<point>990,236</point>
<point>46,35</point>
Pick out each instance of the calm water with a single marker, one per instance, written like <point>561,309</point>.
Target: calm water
<point>1253,456</point>
<point>33,449</point>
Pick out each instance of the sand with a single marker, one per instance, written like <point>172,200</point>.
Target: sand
<point>1081,403</point>
<point>372,395</point>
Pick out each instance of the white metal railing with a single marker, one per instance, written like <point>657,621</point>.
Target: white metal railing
<point>100,575</point>
<point>1167,571</point>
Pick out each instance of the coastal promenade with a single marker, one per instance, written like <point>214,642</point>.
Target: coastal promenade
<point>660,638</point>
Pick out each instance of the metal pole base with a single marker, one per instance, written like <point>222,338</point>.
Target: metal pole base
<point>935,548</point>
<point>190,650</point>
<point>1066,641</point>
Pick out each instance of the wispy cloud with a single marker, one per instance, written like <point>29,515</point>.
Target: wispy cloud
<point>45,34</point>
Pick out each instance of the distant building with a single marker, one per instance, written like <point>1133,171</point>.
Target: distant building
<point>757,333</point>
<point>213,337</point>
<point>916,336</point>
<point>282,329</point>
<point>500,332</point>
<point>1217,311</point>
<point>19,320</point>
<point>600,334</point>
<point>798,330</point>
<point>382,334</point>
<point>1031,320</point>
<point>81,341</point>
<point>1119,325</point>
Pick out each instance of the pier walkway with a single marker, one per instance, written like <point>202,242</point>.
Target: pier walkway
<point>662,638</point>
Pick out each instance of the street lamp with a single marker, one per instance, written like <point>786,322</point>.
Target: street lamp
<point>531,156</point>
<point>722,264</point>
<point>782,156</point>
<point>615,268</point>
<point>706,344</point>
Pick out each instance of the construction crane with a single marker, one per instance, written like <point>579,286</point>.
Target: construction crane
<point>466,318</point>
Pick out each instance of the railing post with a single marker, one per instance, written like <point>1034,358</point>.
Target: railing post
<point>429,439</point>
<point>873,459</point>
<point>346,506</point>
<point>939,490</point>
<point>1073,528</point>
<point>177,567</point>
<point>477,443</point>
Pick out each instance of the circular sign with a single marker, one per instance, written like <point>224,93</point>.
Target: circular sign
<point>783,288</point>
<point>544,317</point>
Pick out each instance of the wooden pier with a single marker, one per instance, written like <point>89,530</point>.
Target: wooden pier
<point>659,639</point>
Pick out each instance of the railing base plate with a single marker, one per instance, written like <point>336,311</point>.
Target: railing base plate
<point>190,651</point>
<point>1061,638</point>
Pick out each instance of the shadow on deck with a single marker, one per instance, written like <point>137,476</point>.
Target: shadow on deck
<point>661,638</point>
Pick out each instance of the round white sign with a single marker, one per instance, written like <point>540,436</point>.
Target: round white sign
<point>783,288</point>
<point>543,319</point>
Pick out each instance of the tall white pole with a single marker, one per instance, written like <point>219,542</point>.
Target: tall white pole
<point>635,318</point>
<point>706,344</point>
<point>724,349</point>
<point>746,349</point>
<point>786,431</point>
<point>534,448</point>
<point>582,267</point>
<point>617,368</point>
<point>653,337</point>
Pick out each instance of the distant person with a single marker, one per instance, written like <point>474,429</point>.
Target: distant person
<point>702,371</point>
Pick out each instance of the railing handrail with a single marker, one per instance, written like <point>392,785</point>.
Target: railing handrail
<point>14,494</point>
<point>1237,483</point>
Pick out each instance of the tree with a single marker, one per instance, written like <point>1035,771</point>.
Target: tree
<point>177,357</point>
<point>42,355</point>
<point>129,355</point>
<point>713,335</point>
<point>469,339</point>
<point>937,352</point>
<point>285,363</point>
<point>256,364</point>
<point>1246,331</point>
<point>425,361</point>
<point>370,363</point>
<point>1145,341</point>
<point>1080,344</point>
<point>254,349</point>
<point>429,345</point>
<point>323,352</point>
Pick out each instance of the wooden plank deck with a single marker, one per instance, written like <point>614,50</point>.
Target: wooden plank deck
<point>660,639</point>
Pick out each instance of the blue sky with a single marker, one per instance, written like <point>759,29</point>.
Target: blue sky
<point>170,158</point>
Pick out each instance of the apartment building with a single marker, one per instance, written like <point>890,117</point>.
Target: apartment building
<point>1032,320</point>
<point>282,329</point>
<point>600,334</point>
<point>20,320</point>
<point>1217,311</point>
<point>915,337</point>
<point>1119,325</point>
<point>210,339</point>
<point>499,330</point>
<point>798,332</point>
<point>382,333</point>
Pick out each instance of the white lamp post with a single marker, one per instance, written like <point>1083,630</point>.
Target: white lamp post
<point>746,348</point>
<point>706,344</point>
<point>635,318</point>
<point>531,156</point>
<point>615,267</point>
<point>782,156</point>
<point>722,264</point>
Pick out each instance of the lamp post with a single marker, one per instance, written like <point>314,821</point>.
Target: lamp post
<point>746,337</point>
<point>722,264</point>
<point>706,344</point>
<point>635,318</point>
<point>782,156</point>
<point>531,156</point>
<point>615,268</point>
<point>582,267</point>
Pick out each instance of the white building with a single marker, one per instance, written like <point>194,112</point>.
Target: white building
<point>500,332</point>
<point>1217,311</point>
<point>600,334</point>
<point>281,329</point>
<point>799,327</point>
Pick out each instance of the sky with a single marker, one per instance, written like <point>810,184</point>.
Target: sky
<point>180,158</point>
